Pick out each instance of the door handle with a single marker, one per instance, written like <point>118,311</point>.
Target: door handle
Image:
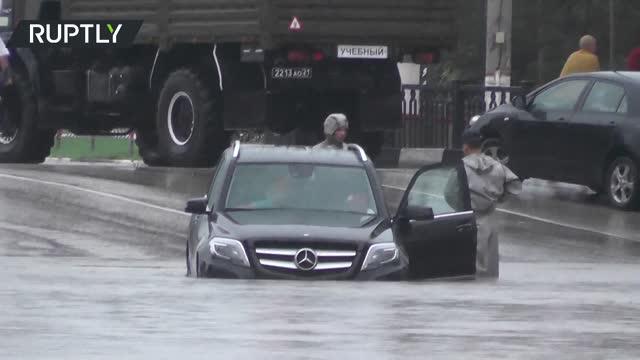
<point>612,124</point>
<point>465,228</point>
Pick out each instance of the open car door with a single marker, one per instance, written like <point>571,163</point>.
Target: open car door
<point>435,223</point>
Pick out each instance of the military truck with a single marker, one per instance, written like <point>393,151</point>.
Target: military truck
<point>201,70</point>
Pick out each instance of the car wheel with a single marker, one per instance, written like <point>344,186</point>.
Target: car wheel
<point>494,149</point>
<point>147,141</point>
<point>189,123</point>
<point>622,183</point>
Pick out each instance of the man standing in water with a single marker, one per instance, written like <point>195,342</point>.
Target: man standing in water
<point>489,183</point>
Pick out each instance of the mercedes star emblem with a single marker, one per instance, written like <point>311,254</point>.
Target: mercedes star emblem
<point>306,259</point>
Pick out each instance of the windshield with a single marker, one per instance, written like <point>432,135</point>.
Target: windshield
<point>264,187</point>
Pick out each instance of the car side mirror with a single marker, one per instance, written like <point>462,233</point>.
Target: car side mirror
<point>519,102</point>
<point>197,206</point>
<point>419,213</point>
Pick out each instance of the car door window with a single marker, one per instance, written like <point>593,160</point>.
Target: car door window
<point>440,189</point>
<point>624,106</point>
<point>604,97</point>
<point>560,97</point>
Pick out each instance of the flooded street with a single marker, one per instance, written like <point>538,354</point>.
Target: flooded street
<point>88,275</point>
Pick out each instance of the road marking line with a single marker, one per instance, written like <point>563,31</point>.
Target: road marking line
<point>95,192</point>
<point>173,211</point>
<point>537,218</point>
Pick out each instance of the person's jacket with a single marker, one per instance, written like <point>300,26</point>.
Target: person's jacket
<point>633,61</point>
<point>489,182</point>
<point>581,61</point>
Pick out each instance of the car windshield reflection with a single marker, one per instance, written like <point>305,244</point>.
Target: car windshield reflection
<point>311,189</point>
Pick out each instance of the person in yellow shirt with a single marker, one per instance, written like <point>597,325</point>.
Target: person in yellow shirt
<point>583,60</point>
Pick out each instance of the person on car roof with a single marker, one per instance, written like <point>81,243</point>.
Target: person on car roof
<point>336,127</point>
<point>489,183</point>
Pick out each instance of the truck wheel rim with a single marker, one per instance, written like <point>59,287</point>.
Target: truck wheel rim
<point>8,129</point>
<point>622,183</point>
<point>181,118</point>
<point>497,153</point>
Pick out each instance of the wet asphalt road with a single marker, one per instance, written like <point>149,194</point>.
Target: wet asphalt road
<point>92,262</point>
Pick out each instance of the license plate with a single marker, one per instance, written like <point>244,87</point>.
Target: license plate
<point>363,52</point>
<point>291,73</point>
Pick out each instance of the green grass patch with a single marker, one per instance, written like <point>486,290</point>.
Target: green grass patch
<point>103,148</point>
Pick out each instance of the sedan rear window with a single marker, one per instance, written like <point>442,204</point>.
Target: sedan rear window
<point>301,187</point>
<point>604,97</point>
<point>560,97</point>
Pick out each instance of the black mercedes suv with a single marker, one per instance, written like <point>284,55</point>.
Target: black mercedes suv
<point>302,213</point>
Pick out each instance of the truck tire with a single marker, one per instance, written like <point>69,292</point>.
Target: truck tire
<point>147,141</point>
<point>190,128</point>
<point>20,139</point>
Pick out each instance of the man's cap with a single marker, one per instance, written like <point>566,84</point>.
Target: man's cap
<point>334,122</point>
<point>472,138</point>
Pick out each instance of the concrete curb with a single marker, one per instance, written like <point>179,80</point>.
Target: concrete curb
<point>404,158</point>
<point>415,158</point>
<point>418,157</point>
<point>62,161</point>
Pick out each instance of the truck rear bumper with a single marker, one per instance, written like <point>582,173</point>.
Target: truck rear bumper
<point>367,91</point>
<point>284,110</point>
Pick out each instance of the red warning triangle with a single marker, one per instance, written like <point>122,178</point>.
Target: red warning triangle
<point>296,25</point>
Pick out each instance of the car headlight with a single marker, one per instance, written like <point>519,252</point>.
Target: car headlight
<point>230,250</point>
<point>379,255</point>
<point>474,119</point>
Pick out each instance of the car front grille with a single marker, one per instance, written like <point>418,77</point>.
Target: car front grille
<point>328,259</point>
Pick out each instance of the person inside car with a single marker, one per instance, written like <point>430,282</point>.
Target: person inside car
<point>275,196</point>
<point>358,202</point>
<point>336,127</point>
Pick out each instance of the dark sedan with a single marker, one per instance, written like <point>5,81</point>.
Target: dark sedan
<point>297,213</point>
<point>582,129</point>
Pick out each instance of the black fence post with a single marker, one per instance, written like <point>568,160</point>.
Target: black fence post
<point>459,121</point>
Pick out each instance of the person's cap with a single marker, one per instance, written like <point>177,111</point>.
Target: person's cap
<point>334,122</point>
<point>472,138</point>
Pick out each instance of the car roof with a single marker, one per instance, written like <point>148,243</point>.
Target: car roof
<point>250,153</point>
<point>620,76</point>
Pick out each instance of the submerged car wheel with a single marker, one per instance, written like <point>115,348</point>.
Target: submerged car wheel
<point>622,183</point>
<point>494,149</point>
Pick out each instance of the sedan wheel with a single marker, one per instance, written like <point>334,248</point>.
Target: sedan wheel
<point>622,180</point>
<point>494,149</point>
